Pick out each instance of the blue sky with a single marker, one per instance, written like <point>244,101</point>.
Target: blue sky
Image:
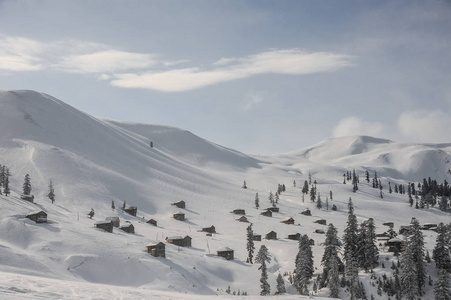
<point>262,77</point>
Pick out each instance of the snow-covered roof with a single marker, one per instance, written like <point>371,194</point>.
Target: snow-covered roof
<point>153,244</point>
<point>222,249</point>
<point>179,213</point>
<point>393,240</point>
<point>102,222</point>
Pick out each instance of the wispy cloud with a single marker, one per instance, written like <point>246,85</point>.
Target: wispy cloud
<point>425,126</point>
<point>355,126</point>
<point>20,54</point>
<point>289,62</point>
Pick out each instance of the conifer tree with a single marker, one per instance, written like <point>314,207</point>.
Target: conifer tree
<point>334,277</point>
<point>332,246</point>
<point>304,266</point>
<point>51,193</point>
<point>257,201</point>
<point>262,258</point>
<point>280,285</point>
<point>113,207</point>
<point>350,249</point>
<point>305,189</point>
<point>367,176</point>
<point>244,185</point>
<point>442,286</point>
<point>417,243</point>
<point>441,252</point>
<point>250,244</point>
<point>312,194</point>
<point>319,203</point>
<point>271,198</point>
<point>371,250</point>
<point>6,189</point>
<point>27,185</point>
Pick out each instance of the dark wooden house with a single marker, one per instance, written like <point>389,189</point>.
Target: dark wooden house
<point>272,235</point>
<point>321,221</point>
<point>152,221</point>
<point>267,213</point>
<point>225,252</point>
<point>257,237</point>
<point>116,221</point>
<point>239,211</point>
<point>179,241</point>
<point>395,245</point>
<point>129,228</point>
<point>132,210</point>
<point>306,212</point>
<point>105,225</point>
<point>179,216</point>
<point>404,230</point>
<point>210,229</point>
<point>288,220</point>
<point>273,209</point>
<point>29,198</point>
<point>390,224</point>
<point>296,236</point>
<point>157,250</point>
<point>242,219</point>
<point>38,217</point>
<point>179,204</point>
<point>320,231</point>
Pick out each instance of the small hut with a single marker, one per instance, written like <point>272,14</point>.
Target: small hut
<point>179,241</point>
<point>115,220</point>
<point>273,209</point>
<point>288,220</point>
<point>105,225</point>
<point>389,224</point>
<point>428,226</point>
<point>404,229</point>
<point>29,198</point>
<point>321,221</point>
<point>38,217</point>
<point>395,245</point>
<point>225,252</point>
<point>239,211</point>
<point>179,204</point>
<point>306,212</point>
<point>157,250</point>
<point>257,237</point>
<point>242,219</point>
<point>132,210</point>
<point>129,228</point>
<point>272,235</point>
<point>295,237</point>
<point>152,221</point>
<point>320,231</point>
<point>179,216</point>
<point>210,229</point>
<point>267,213</point>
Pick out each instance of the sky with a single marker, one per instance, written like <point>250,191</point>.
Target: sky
<point>262,77</point>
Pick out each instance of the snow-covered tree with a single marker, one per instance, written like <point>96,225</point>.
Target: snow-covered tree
<point>6,189</point>
<point>319,202</point>
<point>304,266</point>
<point>350,249</point>
<point>333,277</point>
<point>441,286</point>
<point>257,201</point>
<point>113,207</point>
<point>91,213</point>
<point>312,194</point>
<point>332,247</point>
<point>271,198</point>
<point>417,244</point>
<point>51,194</point>
<point>27,185</point>
<point>305,188</point>
<point>371,250</point>
<point>250,244</point>
<point>280,285</point>
<point>441,252</point>
<point>262,258</point>
<point>244,185</point>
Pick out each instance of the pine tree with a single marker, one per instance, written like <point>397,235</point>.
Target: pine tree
<point>312,194</point>
<point>305,189</point>
<point>367,176</point>
<point>91,213</point>
<point>6,189</point>
<point>250,244</point>
<point>371,250</point>
<point>280,285</point>
<point>294,183</point>
<point>441,252</point>
<point>276,198</point>
<point>334,277</point>
<point>113,207</point>
<point>442,287</point>
<point>27,185</point>
<point>319,203</point>
<point>244,185</point>
<point>417,243</point>
<point>51,193</point>
<point>332,247</point>
<point>304,266</point>
<point>271,198</point>
<point>262,258</point>
<point>350,249</point>
<point>257,201</point>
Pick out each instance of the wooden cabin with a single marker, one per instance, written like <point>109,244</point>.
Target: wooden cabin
<point>129,228</point>
<point>320,231</point>
<point>428,226</point>
<point>295,237</point>
<point>29,198</point>
<point>288,220</point>
<point>395,245</point>
<point>132,210</point>
<point>210,229</point>
<point>272,235</point>
<point>179,204</point>
<point>321,221</point>
<point>273,209</point>
<point>242,219</point>
<point>267,213</point>
<point>105,225</point>
<point>179,216</point>
<point>257,237</point>
<point>116,221</point>
<point>152,221</point>
<point>225,252</point>
<point>179,241</point>
<point>38,217</point>
<point>389,224</point>
<point>404,229</point>
<point>157,250</point>
<point>239,211</point>
<point>306,212</point>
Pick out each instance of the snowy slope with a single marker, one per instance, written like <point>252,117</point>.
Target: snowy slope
<point>94,161</point>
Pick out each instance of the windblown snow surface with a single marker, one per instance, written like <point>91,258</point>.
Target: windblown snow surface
<point>94,161</point>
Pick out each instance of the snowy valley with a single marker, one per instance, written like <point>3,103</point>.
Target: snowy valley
<point>94,162</point>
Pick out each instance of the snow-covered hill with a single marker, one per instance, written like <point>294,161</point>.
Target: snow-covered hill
<point>94,161</point>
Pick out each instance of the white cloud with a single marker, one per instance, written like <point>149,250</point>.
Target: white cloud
<point>19,54</point>
<point>291,62</point>
<point>425,126</point>
<point>355,126</point>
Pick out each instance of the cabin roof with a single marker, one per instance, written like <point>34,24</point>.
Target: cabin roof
<point>223,249</point>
